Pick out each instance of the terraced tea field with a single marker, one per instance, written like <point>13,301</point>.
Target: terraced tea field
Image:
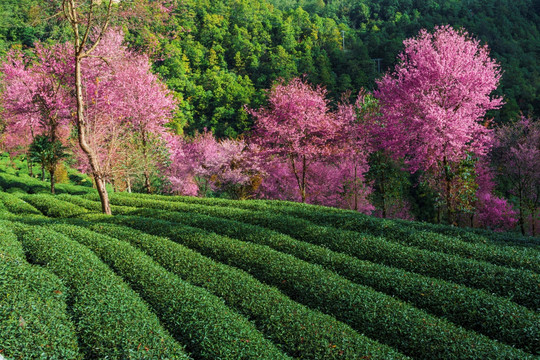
<point>178,278</point>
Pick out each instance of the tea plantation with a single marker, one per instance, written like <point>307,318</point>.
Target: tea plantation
<point>180,278</point>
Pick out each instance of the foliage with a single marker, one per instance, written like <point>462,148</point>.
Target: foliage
<point>302,332</point>
<point>478,274</point>
<point>48,154</point>
<point>203,164</point>
<point>457,303</point>
<point>517,159</point>
<point>201,321</point>
<point>34,317</point>
<point>356,305</point>
<point>120,323</point>
<point>433,104</point>
<point>311,153</point>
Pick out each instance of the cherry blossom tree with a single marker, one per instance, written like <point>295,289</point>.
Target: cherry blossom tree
<point>517,156</point>
<point>434,102</point>
<point>492,211</point>
<point>203,164</point>
<point>297,128</point>
<point>356,144</point>
<point>126,109</point>
<point>37,101</point>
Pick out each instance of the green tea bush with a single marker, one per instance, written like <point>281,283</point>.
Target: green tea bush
<point>301,332</point>
<point>406,232</point>
<point>494,316</point>
<point>522,286</point>
<point>50,206</point>
<point>112,321</point>
<point>34,321</point>
<point>421,235</point>
<point>17,205</point>
<point>207,326</point>
<point>94,206</point>
<point>406,328</point>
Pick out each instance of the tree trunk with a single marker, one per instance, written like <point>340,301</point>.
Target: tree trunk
<point>103,195</point>
<point>128,183</point>
<point>383,192</point>
<point>29,164</point>
<point>147,184</point>
<point>355,187</point>
<point>42,172</point>
<point>51,171</point>
<point>301,182</point>
<point>81,127</point>
<point>521,215</point>
<point>304,179</point>
<point>448,196</point>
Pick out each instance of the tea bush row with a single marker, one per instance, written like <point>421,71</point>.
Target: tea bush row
<point>494,316</point>
<point>27,184</point>
<point>17,205</point>
<point>521,286</point>
<point>209,328</point>
<point>381,317</point>
<point>34,320</point>
<point>405,232</point>
<point>111,319</point>
<point>50,206</point>
<point>301,332</point>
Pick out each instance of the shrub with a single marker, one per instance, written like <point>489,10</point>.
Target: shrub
<point>408,329</point>
<point>16,205</point>
<point>496,317</point>
<point>199,319</point>
<point>33,313</point>
<point>301,332</point>
<point>522,286</point>
<point>50,206</point>
<point>112,321</point>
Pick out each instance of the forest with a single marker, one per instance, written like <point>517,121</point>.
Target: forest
<point>292,100</point>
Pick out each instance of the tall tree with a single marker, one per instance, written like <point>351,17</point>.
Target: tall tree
<point>37,100</point>
<point>434,102</point>
<point>126,107</point>
<point>86,17</point>
<point>517,156</point>
<point>297,127</point>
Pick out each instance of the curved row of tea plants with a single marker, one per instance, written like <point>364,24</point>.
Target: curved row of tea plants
<point>521,286</point>
<point>243,273</point>
<point>408,329</point>
<point>34,320</point>
<point>301,332</point>
<point>499,318</point>
<point>408,233</point>
<point>200,320</point>
<point>112,321</point>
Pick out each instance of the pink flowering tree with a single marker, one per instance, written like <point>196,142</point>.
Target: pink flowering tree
<point>434,102</point>
<point>127,108</point>
<point>355,138</point>
<point>297,129</point>
<point>492,211</point>
<point>517,156</point>
<point>37,102</point>
<point>202,164</point>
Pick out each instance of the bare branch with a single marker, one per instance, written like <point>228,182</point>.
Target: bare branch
<point>102,58</point>
<point>102,30</point>
<point>88,24</point>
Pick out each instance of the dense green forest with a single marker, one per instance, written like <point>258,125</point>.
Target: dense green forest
<point>220,55</point>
